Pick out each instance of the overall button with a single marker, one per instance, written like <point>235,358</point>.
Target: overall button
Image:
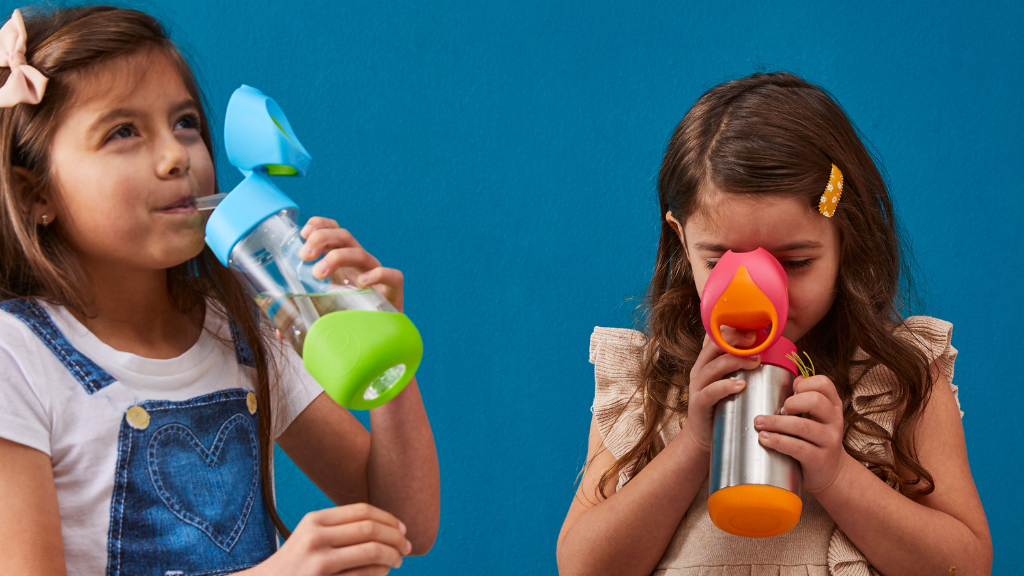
<point>137,417</point>
<point>250,401</point>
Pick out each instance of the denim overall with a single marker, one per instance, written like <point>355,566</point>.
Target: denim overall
<point>187,497</point>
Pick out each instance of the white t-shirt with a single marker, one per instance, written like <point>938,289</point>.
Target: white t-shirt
<point>44,406</point>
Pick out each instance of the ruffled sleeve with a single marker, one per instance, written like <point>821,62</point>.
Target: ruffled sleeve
<point>935,337</point>
<point>932,336</point>
<point>618,406</point>
<point>874,389</point>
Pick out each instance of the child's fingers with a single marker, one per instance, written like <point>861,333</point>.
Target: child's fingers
<point>815,404</point>
<point>699,422</point>
<point>802,450</point>
<point>710,350</point>
<point>716,391</point>
<point>317,222</point>
<point>821,384</point>
<point>353,513</point>
<point>322,239</point>
<point>337,258</point>
<point>734,337</point>
<point>389,277</point>
<point>813,432</point>
<point>717,369</point>
<point>364,531</point>
<point>361,555</point>
<point>741,339</point>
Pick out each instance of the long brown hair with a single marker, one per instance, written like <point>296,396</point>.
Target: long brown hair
<point>36,261</point>
<point>776,134</point>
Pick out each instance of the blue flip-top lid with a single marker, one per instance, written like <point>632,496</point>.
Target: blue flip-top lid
<point>257,135</point>
<point>261,143</point>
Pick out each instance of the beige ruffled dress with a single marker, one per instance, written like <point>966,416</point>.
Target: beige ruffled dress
<point>816,547</point>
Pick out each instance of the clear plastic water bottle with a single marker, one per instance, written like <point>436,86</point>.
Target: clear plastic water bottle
<point>351,339</point>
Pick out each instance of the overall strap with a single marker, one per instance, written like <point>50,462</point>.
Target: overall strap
<point>89,375</point>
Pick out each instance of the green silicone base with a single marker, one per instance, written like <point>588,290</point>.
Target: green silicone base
<point>347,350</point>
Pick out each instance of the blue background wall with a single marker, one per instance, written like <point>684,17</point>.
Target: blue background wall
<point>503,155</point>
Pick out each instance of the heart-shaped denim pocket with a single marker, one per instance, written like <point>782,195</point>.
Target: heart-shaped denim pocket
<point>213,488</point>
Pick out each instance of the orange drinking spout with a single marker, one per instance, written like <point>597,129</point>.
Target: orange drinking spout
<point>745,307</point>
<point>746,291</point>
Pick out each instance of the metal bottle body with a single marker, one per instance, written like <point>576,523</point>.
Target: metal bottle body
<point>737,457</point>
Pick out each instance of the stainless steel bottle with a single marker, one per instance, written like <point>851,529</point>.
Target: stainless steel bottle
<point>755,491</point>
<point>748,478</point>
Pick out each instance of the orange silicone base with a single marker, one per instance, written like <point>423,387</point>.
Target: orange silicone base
<point>755,511</point>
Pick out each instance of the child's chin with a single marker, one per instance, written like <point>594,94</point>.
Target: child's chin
<point>183,253</point>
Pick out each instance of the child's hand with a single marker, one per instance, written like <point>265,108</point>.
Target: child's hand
<point>707,387</point>
<point>346,255</point>
<point>816,442</point>
<point>353,539</point>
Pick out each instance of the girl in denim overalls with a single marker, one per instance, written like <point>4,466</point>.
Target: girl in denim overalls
<point>141,390</point>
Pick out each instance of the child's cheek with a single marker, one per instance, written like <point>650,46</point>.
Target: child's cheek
<point>202,167</point>
<point>810,298</point>
<point>797,324</point>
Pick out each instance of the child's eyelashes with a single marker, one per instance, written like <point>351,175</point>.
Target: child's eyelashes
<point>120,132</point>
<point>189,121</point>
<point>796,264</point>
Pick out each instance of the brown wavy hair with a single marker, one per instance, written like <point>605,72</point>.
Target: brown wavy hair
<point>775,134</point>
<point>36,261</point>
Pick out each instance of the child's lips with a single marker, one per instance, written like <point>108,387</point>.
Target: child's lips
<point>183,205</point>
<point>179,210</point>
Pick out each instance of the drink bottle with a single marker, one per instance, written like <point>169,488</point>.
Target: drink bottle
<point>755,491</point>
<point>351,339</point>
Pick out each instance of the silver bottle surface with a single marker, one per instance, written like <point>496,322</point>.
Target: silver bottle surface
<point>736,456</point>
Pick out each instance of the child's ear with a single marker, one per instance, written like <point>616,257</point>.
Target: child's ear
<point>25,183</point>
<point>678,227</point>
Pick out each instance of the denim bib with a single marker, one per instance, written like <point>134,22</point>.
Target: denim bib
<point>187,497</point>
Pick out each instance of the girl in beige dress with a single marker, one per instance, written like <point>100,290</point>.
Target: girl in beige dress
<point>887,484</point>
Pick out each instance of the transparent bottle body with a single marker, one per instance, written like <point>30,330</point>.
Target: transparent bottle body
<point>268,261</point>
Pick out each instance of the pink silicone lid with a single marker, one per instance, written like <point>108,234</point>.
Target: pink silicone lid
<point>767,274</point>
<point>776,355</point>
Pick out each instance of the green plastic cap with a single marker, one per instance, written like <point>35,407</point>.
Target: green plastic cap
<point>362,358</point>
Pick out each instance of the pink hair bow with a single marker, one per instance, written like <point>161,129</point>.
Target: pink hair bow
<point>25,84</point>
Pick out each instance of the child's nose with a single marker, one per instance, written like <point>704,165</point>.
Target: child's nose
<point>174,160</point>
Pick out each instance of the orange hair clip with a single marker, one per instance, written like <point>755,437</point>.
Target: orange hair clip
<point>829,200</point>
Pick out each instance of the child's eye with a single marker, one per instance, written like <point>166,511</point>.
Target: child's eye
<point>710,264</point>
<point>122,131</point>
<point>187,122</point>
